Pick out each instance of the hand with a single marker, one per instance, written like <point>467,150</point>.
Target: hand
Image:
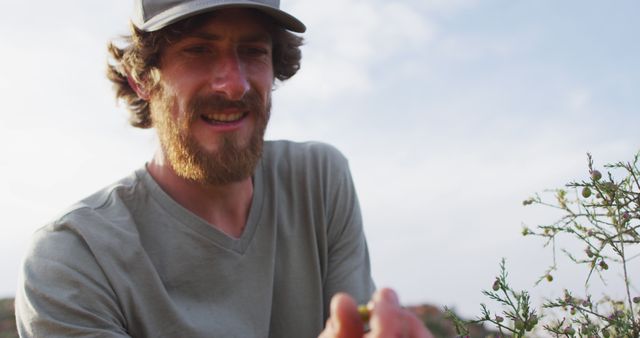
<point>388,319</point>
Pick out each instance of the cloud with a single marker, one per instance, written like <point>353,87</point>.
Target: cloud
<point>346,38</point>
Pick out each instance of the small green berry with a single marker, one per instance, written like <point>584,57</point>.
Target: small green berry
<point>636,300</point>
<point>586,192</point>
<point>606,333</point>
<point>549,278</point>
<point>596,175</point>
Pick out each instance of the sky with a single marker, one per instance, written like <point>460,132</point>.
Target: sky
<point>451,114</point>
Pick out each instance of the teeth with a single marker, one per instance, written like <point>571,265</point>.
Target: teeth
<point>224,117</point>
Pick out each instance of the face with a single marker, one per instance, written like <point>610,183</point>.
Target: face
<point>213,102</point>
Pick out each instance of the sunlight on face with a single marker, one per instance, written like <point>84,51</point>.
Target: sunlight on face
<point>213,103</point>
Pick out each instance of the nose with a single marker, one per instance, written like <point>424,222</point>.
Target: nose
<point>230,78</point>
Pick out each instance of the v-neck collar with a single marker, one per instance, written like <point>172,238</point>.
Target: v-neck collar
<point>183,217</point>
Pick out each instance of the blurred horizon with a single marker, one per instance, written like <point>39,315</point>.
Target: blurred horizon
<point>451,114</point>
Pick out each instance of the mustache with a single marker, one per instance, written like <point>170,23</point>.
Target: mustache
<point>200,104</point>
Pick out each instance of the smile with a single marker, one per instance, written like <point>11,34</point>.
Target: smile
<point>223,118</point>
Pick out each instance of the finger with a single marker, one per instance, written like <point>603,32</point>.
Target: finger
<point>386,295</point>
<point>345,319</point>
<point>328,331</point>
<point>389,319</point>
<point>415,327</point>
<point>386,318</point>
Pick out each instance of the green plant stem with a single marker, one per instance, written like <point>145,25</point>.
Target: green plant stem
<point>626,285</point>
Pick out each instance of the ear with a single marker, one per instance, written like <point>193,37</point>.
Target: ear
<point>138,88</point>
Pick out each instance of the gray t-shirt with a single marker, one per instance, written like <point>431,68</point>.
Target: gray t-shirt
<point>129,261</point>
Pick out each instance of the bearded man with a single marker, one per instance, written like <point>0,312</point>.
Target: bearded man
<point>221,234</point>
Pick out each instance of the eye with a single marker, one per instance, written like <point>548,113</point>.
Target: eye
<point>197,49</point>
<point>253,51</point>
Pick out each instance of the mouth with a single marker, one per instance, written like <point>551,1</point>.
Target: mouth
<point>221,119</point>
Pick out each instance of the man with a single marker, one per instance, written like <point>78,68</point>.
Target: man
<point>221,234</point>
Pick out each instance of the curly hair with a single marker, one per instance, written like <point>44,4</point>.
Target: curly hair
<point>139,58</point>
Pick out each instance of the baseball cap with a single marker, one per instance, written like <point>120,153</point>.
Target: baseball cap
<point>152,15</point>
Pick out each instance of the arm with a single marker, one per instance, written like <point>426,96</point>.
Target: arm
<point>62,291</point>
<point>349,280</point>
<point>348,266</point>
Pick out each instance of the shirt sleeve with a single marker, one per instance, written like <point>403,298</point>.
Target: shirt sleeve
<point>62,292</point>
<point>349,268</point>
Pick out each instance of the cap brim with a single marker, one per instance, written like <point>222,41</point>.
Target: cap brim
<point>186,10</point>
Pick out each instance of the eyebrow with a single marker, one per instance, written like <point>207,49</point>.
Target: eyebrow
<point>256,37</point>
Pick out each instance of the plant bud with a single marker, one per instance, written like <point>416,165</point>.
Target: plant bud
<point>496,285</point>
<point>589,252</point>
<point>636,300</point>
<point>626,216</point>
<point>499,319</point>
<point>569,330</point>
<point>604,265</point>
<point>610,188</point>
<point>586,192</point>
<point>529,326</point>
<point>605,333</point>
<point>573,311</point>
<point>518,324</point>
<point>549,278</point>
<point>596,175</point>
<point>567,297</point>
<point>364,312</point>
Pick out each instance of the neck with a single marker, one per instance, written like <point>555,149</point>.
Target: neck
<point>224,207</point>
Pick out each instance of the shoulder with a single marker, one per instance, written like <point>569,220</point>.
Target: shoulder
<point>125,190</point>
<point>113,200</point>
<point>94,222</point>
<point>82,245</point>
<point>307,155</point>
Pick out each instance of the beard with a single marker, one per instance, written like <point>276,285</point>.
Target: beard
<point>232,161</point>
